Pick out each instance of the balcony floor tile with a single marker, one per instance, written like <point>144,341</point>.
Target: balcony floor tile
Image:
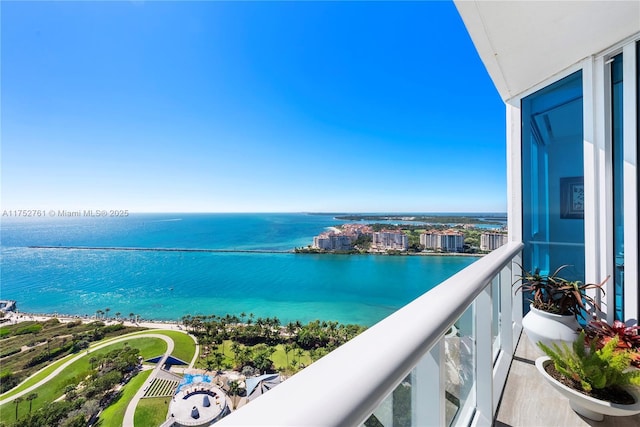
<point>528,401</point>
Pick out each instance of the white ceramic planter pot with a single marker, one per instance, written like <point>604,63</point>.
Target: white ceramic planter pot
<point>587,406</point>
<point>550,328</point>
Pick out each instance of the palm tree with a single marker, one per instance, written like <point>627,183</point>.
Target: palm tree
<point>287,349</point>
<point>106,312</point>
<point>70,393</point>
<point>234,391</point>
<point>291,329</point>
<point>218,358</point>
<point>275,322</point>
<point>118,315</point>
<point>131,315</point>
<point>260,323</point>
<point>244,355</point>
<point>209,364</point>
<point>186,321</point>
<point>204,341</point>
<point>30,398</point>
<point>99,313</point>
<point>17,401</point>
<point>235,348</point>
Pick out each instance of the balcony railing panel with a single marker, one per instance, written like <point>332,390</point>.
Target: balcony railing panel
<point>406,349</point>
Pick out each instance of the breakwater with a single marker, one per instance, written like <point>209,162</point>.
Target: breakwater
<point>115,248</point>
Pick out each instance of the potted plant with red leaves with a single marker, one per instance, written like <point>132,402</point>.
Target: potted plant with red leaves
<point>601,333</point>
<point>556,305</point>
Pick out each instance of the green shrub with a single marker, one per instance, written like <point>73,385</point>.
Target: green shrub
<point>51,322</point>
<point>79,345</point>
<point>112,328</point>
<point>9,352</point>
<point>593,368</point>
<point>8,380</point>
<point>29,329</point>
<point>48,355</point>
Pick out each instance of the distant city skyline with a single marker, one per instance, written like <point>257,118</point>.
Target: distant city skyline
<point>247,107</point>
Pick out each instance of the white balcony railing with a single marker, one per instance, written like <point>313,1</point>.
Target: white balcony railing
<point>403,369</point>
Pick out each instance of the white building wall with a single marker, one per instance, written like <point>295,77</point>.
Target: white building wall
<point>598,181</point>
<point>448,242</point>
<point>492,241</point>
<point>332,242</point>
<point>452,242</point>
<point>429,240</point>
<point>385,240</point>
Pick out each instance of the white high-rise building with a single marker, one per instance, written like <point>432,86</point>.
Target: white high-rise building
<point>447,241</point>
<point>332,242</point>
<point>491,241</point>
<point>389,240</point>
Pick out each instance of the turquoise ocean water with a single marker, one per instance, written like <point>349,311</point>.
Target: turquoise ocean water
<point>167,285</point>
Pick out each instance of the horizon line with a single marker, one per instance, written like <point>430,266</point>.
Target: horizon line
<point>326,212</point>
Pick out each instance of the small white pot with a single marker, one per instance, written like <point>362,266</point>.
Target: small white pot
<point>587,406</point>
<point>548,328</point>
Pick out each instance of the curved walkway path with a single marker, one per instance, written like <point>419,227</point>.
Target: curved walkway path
<point>131,408</point>
<point>196,354</point>
<point>60,368</point>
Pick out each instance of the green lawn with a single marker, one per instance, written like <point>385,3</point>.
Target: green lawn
<point>149,347</point>
<point>279,357</point>
<point>200,363</point>
<point>75,373</point>
<point>52,367</point>
<point>151,412</point>
<point>37,377</point>
<point>113,415</point>
<point>185,346</point>
<point>40,338</point>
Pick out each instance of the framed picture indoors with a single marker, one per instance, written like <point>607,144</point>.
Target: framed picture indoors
<point>572,198</point>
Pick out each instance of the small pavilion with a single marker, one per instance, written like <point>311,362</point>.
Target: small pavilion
<point>199,404</point>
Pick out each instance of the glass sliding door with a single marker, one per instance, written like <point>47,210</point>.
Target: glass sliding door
<point>617,151</point>
<point>552,178</point>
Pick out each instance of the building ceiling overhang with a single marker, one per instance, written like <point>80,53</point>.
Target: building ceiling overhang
<point>523,43</point>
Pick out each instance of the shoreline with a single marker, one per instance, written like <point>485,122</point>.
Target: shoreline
<point>305,251</point>
<point>16,317</point>
<point>257,251</point>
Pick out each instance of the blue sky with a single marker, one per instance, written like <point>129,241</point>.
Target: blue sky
<point>240,107</point>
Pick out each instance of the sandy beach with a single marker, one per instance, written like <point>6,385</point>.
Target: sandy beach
<point>18,316</point>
